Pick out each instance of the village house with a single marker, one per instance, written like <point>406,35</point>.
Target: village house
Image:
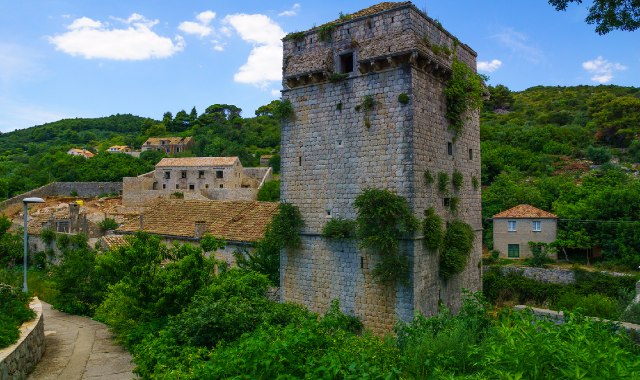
<point>80,152</point>
<point>222,178</point>
<point>514,228</point>
<point>119,149</point>
<point>168,145</point>
<point>239,223</point>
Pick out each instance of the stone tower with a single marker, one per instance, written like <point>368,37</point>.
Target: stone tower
<point>336,145</point>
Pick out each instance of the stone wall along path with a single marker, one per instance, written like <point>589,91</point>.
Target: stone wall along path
<point>80,348</point>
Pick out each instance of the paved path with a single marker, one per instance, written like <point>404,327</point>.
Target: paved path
<point>79,348</point>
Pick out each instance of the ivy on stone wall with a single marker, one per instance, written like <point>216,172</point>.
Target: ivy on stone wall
<point>383,219</point>
<point>443,180</point>
<point>432,229</point>
<point>285,226</point>
<point>339,228</point>
<point>456,248</point>
<point>463,93</point>
<point>457,179</point>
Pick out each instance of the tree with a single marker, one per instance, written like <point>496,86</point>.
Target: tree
<point>608,15</point>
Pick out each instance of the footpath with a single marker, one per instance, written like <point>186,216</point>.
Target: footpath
<point>79,348</point>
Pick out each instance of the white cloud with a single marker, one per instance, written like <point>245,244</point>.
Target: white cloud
<point>265,60</point>
<point>519,44</point>
<point>489,66</point>
<point>92,39</point>
<point>601,69</point>
<point>291,12</point>
<point>202,27</point>
<point>276,93</point>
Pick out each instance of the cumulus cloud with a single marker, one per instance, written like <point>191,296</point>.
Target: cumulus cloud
<point>489,66</point>
<point>201,27</point>
<point>519,44</point>
<point>134,41</point>
<point>264,63</point>
<point>602,70</point>
<point>291,12</point>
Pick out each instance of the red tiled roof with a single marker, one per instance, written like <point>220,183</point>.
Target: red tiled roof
<point>525,211</point>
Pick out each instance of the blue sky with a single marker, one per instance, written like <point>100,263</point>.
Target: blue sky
<point>90,58</point>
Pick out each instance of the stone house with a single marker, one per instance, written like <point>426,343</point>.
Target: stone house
<point>240,223</point>
<point>169,145</point>
<point>369,112</point>
<point>195,178</point>
<point>514,228</point>
<point>119,149</point>
<point>80,152</point>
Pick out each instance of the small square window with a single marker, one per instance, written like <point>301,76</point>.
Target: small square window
<point>450,148</point>
<point>511,225</point>
<point>164,186</point>
<point>446,202</point>
<point>536,226</point>
<point>177,186</point>
<point>219,174</point>
<point>221,186</point>
<point>206,185</point>
<point>513,250</point>
<point>346,63</point>
<point>192,187</point>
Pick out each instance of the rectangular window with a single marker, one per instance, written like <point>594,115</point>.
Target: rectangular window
<point>164,185</point>
<point>177,186</point>
<point>192,187</point>
<point>299,161</point>
<point>346,63</point>
<point>446,202</point>
<point>513,250</point>
<point>470,154</point>
<point>450,148</point>
<point>200,173</point>
<point>167,175</point>
<point>219,174</point>
<point>183,174</point>
<point>512,225</point>
<point>221,186</point>
<point>536,226</point>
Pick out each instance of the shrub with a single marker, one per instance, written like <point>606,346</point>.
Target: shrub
<point>593,305</point>
<point>456,247</point>
<point>285,226</point>
<point>463,93</point>
<point>428,178</point>
<point>108,224</point>
<point>284,110</point>
<point>270,191</point>
<point>339,228</point>
<point>14,310</point>
<point>48,236</point>
<point>403,98</point>
<point>432,230</point>
<point>325,32</point>
<point>457,179</point>
<point>443,181</point>
<point>599,156</point>
<point>632,313</point>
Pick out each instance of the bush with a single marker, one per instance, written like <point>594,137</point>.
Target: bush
<point>432,230</point>
<point>456,248</point>
<point>14,310</point>
<point>339,228</point>
<point>599,156</point>
<point>108,224</point>
<point>632,314</point>
<point>269,192</point>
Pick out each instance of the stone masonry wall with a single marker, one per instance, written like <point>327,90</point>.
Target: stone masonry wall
<point>17,360</point>
<point>331,152</point>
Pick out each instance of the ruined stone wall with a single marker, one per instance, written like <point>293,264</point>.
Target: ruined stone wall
<point>334,148</point>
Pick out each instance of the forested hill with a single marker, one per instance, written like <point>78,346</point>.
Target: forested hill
<point>36,156</point>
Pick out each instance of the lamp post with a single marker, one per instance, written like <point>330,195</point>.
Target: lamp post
<point>26,202</point>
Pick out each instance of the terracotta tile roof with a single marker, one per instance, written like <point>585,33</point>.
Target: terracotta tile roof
<point>380,7</point>
<point>243,221</point>
<point>197,161</point>
<point>115,241</point>
<point>80,152</point>
<point>168,140</point>
<point>525,211</point>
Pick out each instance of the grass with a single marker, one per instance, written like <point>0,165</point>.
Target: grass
<point>38,281</point>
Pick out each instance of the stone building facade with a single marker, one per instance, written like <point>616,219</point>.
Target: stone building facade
<point>514,228</point>
<point>369,112</point>
<point>220,178</point>
<point>168,145</point>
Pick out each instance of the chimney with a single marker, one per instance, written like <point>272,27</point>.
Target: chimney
<point>200,229</point>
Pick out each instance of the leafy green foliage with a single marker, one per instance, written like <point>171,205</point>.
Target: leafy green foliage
<point>463,94</point>
<point>14,310</point>
<point>432,229</point>
<point>457,179</point>
<point>443,182</point>
<point>456,248</point>
<point>284,110</point>
<point>339,228</point>
<point>600,155</point>
<point>608,15</point>
<point>338,77</point>
<point>403,98</point>
<point>270,191</point>
<point>383,218</point>
<point>285,226</point>
<point>108,224</point>
<point>428,178</point>
<point>325,32</point>
<point>10,244</point>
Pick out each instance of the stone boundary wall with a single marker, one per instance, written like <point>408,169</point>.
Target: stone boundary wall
<point>558,317</point>
<point>19,359</point>
<point>84,190</point>
<point>548,275</point>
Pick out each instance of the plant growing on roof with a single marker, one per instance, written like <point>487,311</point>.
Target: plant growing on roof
<point>296,36</point>
<point>338,77</point>
<point>325,32</point>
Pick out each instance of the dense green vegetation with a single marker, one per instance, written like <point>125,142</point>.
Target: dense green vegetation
<point>35,156</point>
<point>538,147</point>
<point>14,310</point>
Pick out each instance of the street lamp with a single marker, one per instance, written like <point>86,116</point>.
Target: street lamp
<point>26,202</point>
